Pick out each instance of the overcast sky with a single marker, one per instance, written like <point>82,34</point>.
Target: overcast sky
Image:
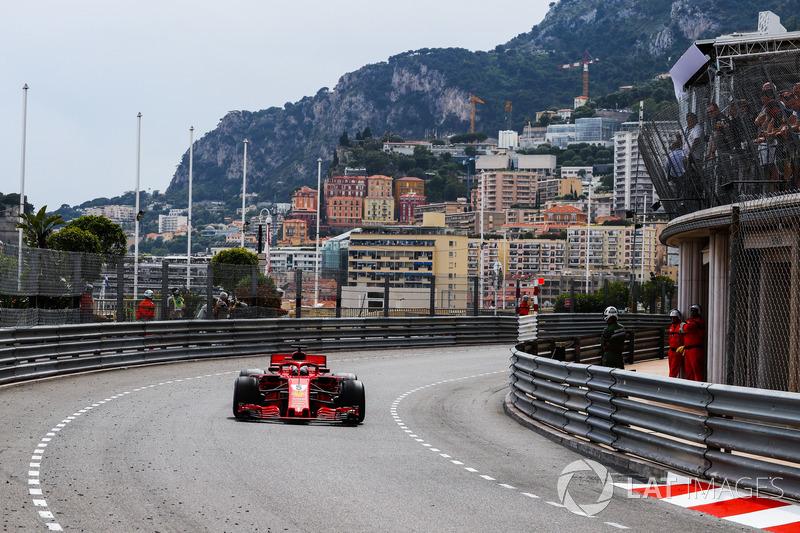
<point>91,66</point>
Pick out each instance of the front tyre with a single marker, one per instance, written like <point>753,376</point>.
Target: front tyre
<point>245,391</point>
<point>352,395</point>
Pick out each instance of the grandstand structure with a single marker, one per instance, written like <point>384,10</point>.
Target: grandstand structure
<point>733,199</point>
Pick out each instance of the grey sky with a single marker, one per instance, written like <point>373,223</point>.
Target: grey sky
<point>92,65</point>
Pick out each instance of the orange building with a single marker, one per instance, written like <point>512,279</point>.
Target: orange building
<point>344,211</point>
<point>565,214</point>
<point>295,233</point>
<point>408,185</point>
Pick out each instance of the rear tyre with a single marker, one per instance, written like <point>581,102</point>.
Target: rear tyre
<point>353,396</point>
<point>245,390</point>
<point>251,371</point>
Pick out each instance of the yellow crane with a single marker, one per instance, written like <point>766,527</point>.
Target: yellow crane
<point>472,100</point>
<point>508,115</point>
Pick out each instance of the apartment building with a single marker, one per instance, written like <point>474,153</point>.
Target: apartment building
<point>409,256</point>
<point>633,189</point>
<point>536,257</point>
<point>295,233</point>
<point>616,248</point>
<point>172,223</point>
<point>344,186</point>
<point>408,185</point>
<point>407,206</point>
<point>344,212</point>
<point>379,202</point>
<point>506,188</point>
<point>115,213</point>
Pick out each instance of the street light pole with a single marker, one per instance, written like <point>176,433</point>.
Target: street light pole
<point>268,220</point>
<point>136,230</point>
<point>189,227</point>
<point>244,187</point>
<point>480,250</point>
<point>319,200</point>
<point>22,179</point>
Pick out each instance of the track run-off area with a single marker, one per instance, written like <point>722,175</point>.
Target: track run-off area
<point>156,448</point>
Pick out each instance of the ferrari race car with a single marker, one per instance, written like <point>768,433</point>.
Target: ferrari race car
<point>298,386</point>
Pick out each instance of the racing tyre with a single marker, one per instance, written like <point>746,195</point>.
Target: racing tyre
<point>352,377</point>
<point>245,390</point>
<point>251,371</point>
<point>353,396</point>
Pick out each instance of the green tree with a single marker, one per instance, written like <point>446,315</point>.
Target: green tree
<point>234,256</point>
<point>113,243</point>
<point>74,239</point>
<point>650,291</point>
<point>36,228</point>
<point>617,294</point>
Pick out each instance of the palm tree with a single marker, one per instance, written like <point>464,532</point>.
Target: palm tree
<point>36,228</point>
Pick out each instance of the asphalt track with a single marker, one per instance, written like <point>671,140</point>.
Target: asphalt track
<point>156,449</point>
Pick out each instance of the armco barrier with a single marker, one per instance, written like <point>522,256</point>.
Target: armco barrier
<point>44,351</point>
<point>747,438</point>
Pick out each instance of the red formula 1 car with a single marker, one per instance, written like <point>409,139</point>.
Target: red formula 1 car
<point>298,386</point>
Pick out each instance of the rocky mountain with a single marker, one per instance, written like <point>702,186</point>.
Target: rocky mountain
<point>428,90</point>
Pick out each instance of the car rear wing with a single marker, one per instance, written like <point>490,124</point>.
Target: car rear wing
<point>320,360</point>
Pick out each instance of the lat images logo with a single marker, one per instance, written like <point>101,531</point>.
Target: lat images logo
<point>585,465</point>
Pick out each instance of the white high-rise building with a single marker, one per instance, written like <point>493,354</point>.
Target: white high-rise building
<point>633,189</point>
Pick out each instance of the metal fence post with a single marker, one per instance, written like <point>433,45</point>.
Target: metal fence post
<point>339,281</point>
<point>386,295</point>
<point>254,285</point>
<point>433,296</point>
<point>476,297</point>
<point>298,293</point>
<point>210,290</point>
<point>516,298</point>
<point>121,289</point>
<point>572,302</point>
<point>164,290</point>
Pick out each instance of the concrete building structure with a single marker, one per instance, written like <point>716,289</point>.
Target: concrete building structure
<point>633,188</point>
<point>409,257</point>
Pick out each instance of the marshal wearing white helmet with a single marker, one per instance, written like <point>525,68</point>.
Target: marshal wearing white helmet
<point>612,340</point>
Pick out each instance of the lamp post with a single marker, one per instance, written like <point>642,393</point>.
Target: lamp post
<point>319,200</point>
<point>189,227</point>
<point>22,179</point>
<point>268,221</point>
<point>480,250</point>
<point>244,187</point>
<point>138,211</point>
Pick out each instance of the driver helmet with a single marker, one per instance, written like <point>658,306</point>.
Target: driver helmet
<point>304,370</point>
<point>609,312</point>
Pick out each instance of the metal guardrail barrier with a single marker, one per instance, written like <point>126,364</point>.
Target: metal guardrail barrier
<point>576,337</point>
<point>747,438</point>
<point>44,351</point>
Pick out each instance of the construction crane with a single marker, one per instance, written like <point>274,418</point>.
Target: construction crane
<point>585,64</point>
<point>508,115</point>
<point>472,100</point>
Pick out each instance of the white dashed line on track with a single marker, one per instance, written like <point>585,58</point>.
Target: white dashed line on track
<point>410,433</point>
<point>34,473</point>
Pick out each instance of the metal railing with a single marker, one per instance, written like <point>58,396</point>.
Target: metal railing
<point>576,337</point>
<point>736,435</point>
<point>45,351</point>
